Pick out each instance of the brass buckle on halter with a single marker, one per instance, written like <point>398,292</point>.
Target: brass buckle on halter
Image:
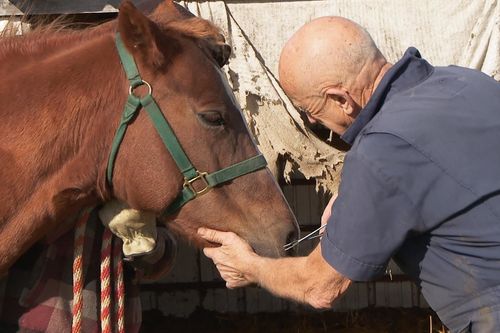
<point>201,176</point>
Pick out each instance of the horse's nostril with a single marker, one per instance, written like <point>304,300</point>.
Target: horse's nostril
<point>291,237</point>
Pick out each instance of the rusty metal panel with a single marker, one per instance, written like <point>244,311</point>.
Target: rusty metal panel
<point>187,267</point>
<point>406,295</point>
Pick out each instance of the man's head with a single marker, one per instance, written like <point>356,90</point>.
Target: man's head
<point>329,68</point>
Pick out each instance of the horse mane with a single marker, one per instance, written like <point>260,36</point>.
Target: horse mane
<point>204,33</point>
<point>44,35</point>
<point>61,31</point>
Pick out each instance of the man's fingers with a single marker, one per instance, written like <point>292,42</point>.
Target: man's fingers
<point>224,238</point>
<point>214,236</point>
<point>210,252</point>
<point>222,267</point>
<point>210,235</point>
<point>231,258</point>
<point>234,285</point>
<point>216,255</point>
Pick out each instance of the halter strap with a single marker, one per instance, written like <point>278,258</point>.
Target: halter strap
<point>216,178</point>
<point>191,174</point>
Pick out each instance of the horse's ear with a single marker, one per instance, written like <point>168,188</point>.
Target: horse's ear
<point>171,6</point>
<point>221,53</point>
<point>138,33</point>
<point>167,10</point>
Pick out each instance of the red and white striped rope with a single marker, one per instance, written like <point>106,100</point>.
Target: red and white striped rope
<point>106,277</point>
<point>78,278</point>
<point>119,286</point>
<point>106,281</point>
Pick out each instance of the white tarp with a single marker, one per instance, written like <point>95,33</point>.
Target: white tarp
<point>463,32</point>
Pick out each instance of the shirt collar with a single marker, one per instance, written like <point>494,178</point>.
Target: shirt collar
<point>408,71</point>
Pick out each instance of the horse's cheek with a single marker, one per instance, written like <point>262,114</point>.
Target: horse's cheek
<point>150,192</point>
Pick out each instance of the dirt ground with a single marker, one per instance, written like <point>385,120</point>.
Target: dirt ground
<point>376,320</point>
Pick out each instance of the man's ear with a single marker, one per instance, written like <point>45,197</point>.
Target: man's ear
<point>343,99</point>
<point>138,34</point>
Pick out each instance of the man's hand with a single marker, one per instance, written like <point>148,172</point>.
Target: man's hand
<point>235,258</point>
<point>308,279</point>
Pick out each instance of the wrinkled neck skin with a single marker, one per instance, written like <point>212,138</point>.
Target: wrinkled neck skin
<point>369,81</point>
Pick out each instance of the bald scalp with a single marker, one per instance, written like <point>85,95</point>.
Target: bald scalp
<point>328,51</point>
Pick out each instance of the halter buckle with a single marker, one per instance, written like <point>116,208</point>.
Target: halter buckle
<point>201,176</point>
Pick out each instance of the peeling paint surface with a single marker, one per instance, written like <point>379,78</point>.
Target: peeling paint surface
<point>258,30</point>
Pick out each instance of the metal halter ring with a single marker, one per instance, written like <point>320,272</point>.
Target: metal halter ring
<point>142,83</point>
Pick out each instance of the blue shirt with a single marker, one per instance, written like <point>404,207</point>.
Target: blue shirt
<point>421,184</point>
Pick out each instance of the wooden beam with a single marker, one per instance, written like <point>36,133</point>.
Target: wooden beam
<point>20,7</point>
<point>41,7</point>
<point>8,9</point>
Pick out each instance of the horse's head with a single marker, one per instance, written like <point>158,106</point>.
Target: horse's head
<point>180,59</point>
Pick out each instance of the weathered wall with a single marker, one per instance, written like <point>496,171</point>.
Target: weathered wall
<point>446,32</point>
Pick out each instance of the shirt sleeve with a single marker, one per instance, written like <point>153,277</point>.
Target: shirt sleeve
<point>371,217</point>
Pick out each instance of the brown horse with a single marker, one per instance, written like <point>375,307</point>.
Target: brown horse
<point>62,97</point>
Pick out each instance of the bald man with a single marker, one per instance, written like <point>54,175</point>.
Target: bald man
<point>420,184</point>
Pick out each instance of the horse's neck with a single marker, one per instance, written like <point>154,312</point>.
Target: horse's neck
<point>37,45</point>
<point>56,104</point>
<point>58,118</point>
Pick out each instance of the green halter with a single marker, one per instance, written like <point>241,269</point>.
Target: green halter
<point>191,174</point>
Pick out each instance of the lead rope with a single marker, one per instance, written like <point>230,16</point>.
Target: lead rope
<point>119,286</point>
<point>118,282</point>
<point>105,281</point>
<point>78,273</point>
<point>107,247</point>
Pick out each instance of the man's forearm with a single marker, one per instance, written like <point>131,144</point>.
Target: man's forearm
<point>282,277</point>
<point>309,280</point>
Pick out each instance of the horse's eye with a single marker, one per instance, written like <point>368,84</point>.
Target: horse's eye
<point>211,118</point>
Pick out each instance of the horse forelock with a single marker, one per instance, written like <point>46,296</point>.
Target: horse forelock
<point>204,33</point>
<point>194,27</point>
